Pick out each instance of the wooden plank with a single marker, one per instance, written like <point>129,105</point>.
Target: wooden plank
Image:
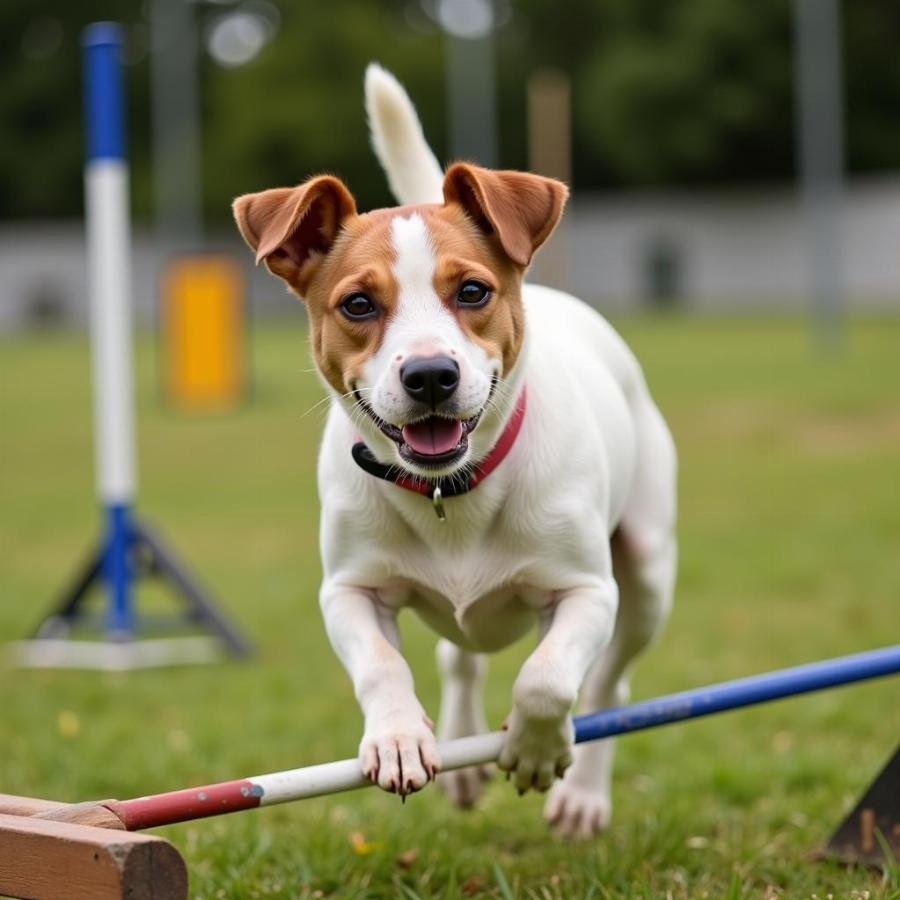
<point>45,860</point>
<point>27,806</point>
<point>94,813</point>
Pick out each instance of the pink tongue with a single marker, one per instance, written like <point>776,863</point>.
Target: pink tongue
<point>434,436</point>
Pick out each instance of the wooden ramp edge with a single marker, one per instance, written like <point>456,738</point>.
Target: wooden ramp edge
<point>42,859</point>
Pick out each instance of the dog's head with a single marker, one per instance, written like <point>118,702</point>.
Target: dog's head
<point>415,312</point>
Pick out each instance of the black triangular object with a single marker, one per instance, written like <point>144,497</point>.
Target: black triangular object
<point>856,839</point>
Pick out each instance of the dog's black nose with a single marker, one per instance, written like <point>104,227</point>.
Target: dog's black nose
<point>430,379</point>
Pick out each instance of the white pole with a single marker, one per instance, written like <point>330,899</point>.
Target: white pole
<point>109,280</point>
<point>346,775</point>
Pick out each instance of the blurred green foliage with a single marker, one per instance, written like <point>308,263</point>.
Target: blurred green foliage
<point>688,92</point>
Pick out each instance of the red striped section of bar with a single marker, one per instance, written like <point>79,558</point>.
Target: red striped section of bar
<point>181,806</point>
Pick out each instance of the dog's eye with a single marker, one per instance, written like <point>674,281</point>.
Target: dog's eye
<point>473,293</point>
<point>357,306</point>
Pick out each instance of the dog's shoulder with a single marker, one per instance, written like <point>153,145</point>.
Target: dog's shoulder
<point>569,331</point>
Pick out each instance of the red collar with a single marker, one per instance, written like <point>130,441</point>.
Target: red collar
<point>441,488</point>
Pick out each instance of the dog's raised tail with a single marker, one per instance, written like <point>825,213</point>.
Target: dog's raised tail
<point>413,173</point>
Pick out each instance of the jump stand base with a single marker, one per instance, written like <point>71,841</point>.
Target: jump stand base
<point>149,556</point>
<point>110,656</point>
<point>41,859</point>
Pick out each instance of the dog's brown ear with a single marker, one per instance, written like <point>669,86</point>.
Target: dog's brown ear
<point>520,208</point>
<point>291,229</point>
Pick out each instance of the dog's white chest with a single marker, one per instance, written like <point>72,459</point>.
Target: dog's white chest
<point>466,608</point>
<point>536,526</point>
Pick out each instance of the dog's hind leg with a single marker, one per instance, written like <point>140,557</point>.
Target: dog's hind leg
<point>644,563</point>
<point>462,714</point>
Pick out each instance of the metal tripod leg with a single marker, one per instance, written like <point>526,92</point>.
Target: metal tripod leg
<point>200,607</point>
<point>68,610</point>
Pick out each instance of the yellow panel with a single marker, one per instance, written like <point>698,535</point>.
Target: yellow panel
<point>203,332</point>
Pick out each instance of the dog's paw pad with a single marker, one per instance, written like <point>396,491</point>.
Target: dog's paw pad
<point>400,760</point>
<point>536,751</point>
<point>576,812</point>
<point>464,786</point>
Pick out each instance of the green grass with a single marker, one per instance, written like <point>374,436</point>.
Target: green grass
<point>789,541</point>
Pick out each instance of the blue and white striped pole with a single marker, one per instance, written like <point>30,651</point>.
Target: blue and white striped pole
<point>109,284</point>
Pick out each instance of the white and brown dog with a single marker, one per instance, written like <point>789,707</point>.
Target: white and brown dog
<point>492,460</point>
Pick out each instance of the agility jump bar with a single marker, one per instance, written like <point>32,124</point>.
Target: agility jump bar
<point>345,775</point>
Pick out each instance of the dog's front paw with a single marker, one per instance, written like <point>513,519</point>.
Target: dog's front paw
<point>576,811</point>
<point>399,753</point>
<point>464,786</point>
<point>536,750</point>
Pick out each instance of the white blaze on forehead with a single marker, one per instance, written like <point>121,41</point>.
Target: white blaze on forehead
<point>420,325</point>
<point>414,264</point>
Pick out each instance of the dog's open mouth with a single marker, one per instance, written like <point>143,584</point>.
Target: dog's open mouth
<point>432,442</point>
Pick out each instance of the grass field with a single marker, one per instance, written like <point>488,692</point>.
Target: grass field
<point>790,528</point>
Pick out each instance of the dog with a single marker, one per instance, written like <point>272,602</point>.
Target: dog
<point>492,460</point>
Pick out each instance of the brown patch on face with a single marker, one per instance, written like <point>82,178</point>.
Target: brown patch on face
<point>488,229</point>
<point>360,261</point>
<point>312,238</point>
<point>463,254</point>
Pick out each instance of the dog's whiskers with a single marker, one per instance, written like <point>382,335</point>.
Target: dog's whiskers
<point>317,405</point>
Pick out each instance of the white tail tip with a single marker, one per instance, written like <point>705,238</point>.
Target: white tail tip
<point>413,173</point>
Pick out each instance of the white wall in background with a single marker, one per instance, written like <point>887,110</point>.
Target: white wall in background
<point>734,250</point>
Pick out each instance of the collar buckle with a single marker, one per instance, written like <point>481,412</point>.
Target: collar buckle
<point>437,501</point>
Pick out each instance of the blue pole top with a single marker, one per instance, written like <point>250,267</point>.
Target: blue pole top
<point>104,108</point>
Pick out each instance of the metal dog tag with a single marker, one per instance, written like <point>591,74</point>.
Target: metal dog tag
<point>438,502</point>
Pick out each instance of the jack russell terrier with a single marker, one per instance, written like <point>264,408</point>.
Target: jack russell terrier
<point>492,460</point>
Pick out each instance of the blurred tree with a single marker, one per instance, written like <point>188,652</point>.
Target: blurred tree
<point>692,91</point>
<point>297,109</point>
<point>872,39</point>
<point>695,91</point>
<point>41,151</point>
